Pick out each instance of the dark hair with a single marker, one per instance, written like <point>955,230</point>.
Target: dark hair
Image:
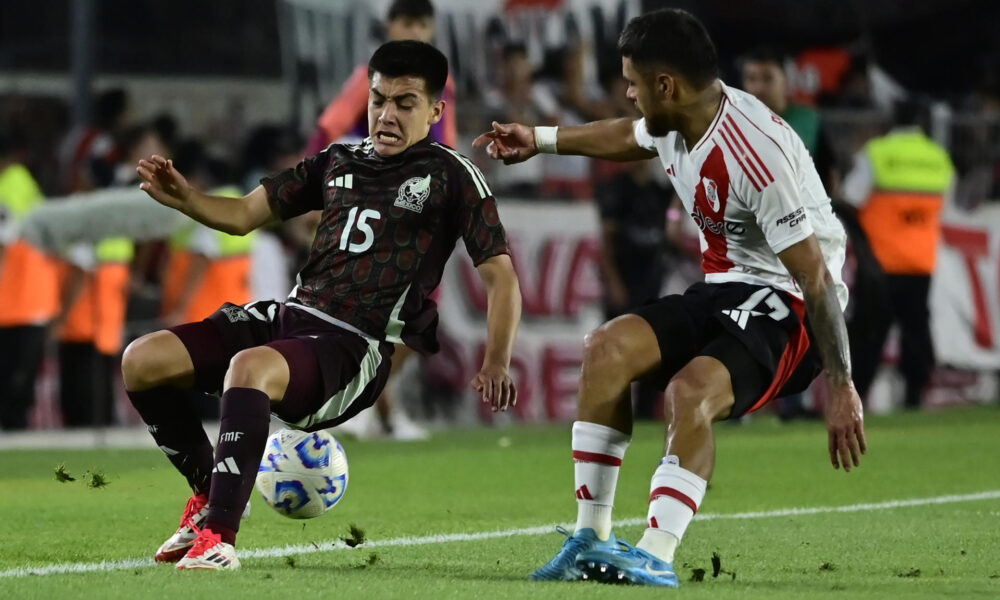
<point>764,54</point>
<point>414,9</point>
<point>109,106</point>
<point>413,58</point>
<point>674,38</point>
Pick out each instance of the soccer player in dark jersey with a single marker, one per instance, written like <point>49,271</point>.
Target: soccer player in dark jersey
<point>393,208</point>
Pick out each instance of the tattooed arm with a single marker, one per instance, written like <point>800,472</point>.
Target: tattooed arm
<point>844,418</point>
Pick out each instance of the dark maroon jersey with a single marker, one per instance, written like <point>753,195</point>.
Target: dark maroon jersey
<point>389,225</point>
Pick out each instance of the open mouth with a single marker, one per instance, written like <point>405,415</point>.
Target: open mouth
<point>387,138</point>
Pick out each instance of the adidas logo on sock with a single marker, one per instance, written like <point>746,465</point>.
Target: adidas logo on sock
<point>227,466</point>
<point>582,493</point>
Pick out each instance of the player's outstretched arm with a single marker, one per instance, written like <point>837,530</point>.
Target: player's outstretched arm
<point>237,216</point>
<point>611,139</point>
<point>503,312</point>
<point>844,414</point>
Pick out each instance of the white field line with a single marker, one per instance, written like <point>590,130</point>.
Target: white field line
<point>331,546</point>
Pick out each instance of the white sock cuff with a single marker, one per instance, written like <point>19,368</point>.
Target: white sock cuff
<point>591,438</point>
<point>684,486</point>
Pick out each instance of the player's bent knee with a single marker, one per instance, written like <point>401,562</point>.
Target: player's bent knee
<point>624,347</point>
<point>698,396</point>
<point>155,359</point>
<point>260,368</point>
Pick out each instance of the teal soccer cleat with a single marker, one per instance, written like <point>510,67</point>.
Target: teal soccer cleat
<point>563,567</point>
<point>624,563</point>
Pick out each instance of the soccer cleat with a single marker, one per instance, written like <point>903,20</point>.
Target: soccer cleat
<point>563,567</point>
<point>624,563</point>
<point>209,552</point>
<point>181,541</point>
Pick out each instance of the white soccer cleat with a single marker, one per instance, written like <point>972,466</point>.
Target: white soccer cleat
<point>183,539</point>
<point>210,553</point>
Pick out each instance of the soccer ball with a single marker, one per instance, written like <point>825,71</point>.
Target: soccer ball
<point>302,475</point>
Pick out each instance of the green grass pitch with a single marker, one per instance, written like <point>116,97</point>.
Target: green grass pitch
<point>519,482</point>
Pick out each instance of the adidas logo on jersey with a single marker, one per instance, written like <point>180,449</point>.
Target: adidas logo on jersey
<point>227,466</point>
<point>344,181</point>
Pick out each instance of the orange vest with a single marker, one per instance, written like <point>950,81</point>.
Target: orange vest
<point>98,315</point>
<point>29,293</point>
<point>902,216</point>
<point>29,288</point>
<point>903,230</point>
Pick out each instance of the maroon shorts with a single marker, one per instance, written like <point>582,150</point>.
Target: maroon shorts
<point>333,373</point>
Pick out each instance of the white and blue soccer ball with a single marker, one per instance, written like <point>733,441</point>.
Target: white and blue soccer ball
<point>302,474</point>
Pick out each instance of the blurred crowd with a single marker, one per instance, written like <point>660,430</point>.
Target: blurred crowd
<point>66,317</point>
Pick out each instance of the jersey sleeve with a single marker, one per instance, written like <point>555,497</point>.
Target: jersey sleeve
<point>478,219</point>
<point>778,208</point>
<point>642,136</point>
<point>298,190</point>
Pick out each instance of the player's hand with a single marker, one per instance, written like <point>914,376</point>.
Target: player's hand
<point>509,142</point>
<point>845,426</point>
<point>163,182</point>
<point>495,387</point>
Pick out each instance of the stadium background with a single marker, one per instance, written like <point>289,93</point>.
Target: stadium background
<point>222,70</point>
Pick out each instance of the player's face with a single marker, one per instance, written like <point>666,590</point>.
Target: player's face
<point>767,82</point>
<point>410,28</point>
<point>649,97</point>
<point>400,113</point>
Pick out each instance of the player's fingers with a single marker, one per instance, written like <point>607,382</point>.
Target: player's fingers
<point>505,388</point>
<point>855,453</point>
<point>483,139</point>
<point>845,454</point>
<point>860,433</point>
<point>513,394</point>
<point>503,129</point>
<point>158,160</point>
<point>832,439</point>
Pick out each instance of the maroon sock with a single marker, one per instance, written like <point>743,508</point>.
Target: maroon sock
<point>172,418</point>
<point>246,414</point>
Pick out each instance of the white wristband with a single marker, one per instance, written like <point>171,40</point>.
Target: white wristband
<point>545,139</point>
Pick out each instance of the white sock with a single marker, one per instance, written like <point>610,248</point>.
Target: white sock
<point>597,455</point>
<point>674,497</point>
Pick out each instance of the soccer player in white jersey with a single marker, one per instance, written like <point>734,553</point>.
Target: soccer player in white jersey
<point>766,321</point>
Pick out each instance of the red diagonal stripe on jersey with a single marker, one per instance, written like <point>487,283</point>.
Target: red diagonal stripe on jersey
<point>582,493</point>
<point>749,147</point>
<point>604,459</point>
<point>676,495</point>
<point>736,155</point>
<point>746,155</point>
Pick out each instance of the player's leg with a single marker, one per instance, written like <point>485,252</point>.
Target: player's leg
<point>256,377</point>
<point>617,353</point>
<point>697,396</point>
<point>158,374</point>
<point>164,373</point>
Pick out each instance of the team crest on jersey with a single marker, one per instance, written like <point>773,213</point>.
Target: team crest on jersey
<point>711,192</point>
<point>236,314</point>
<point>413,193</point>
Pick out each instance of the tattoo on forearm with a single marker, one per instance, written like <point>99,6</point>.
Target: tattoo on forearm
<point>830,332</point>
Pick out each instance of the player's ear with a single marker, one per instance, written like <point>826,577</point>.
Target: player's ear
<point>665,84</point>
<point>437,112</point>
